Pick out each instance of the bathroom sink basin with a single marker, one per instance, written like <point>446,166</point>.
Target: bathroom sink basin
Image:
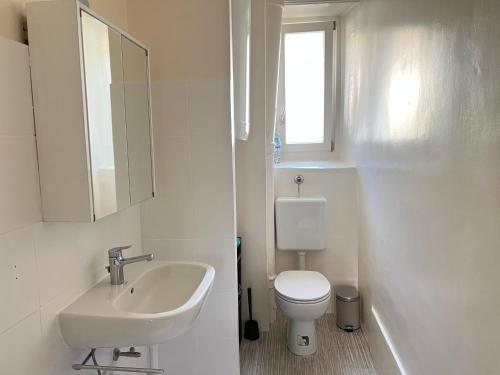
<point>158,301</point>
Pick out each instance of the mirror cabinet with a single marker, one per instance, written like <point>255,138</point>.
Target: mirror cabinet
<point>91,93</point>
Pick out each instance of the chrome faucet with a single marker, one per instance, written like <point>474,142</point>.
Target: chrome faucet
<point>117,262</point>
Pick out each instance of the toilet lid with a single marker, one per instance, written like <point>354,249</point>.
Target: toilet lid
<point>302,285</point>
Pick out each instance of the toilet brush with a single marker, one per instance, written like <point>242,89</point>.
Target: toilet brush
<point>251,326</point>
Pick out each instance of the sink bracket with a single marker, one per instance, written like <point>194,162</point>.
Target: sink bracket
<point>96,367</point>
<point>132,353</point>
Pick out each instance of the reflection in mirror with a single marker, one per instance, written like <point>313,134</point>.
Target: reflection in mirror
<point>106,116</point>
<point>135,75</point>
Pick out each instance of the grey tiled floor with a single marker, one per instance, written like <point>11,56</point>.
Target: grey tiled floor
<point>339,352</point>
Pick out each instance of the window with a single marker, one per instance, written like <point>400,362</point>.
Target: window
<point>306,86</point>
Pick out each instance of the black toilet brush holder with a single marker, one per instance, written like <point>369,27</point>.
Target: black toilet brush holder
<point>251,326</point>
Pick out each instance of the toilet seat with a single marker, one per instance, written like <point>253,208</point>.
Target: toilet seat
<point>296,302</point>
<point>302,287</point>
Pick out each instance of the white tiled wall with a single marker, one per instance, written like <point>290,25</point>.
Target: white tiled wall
<point>192,217</point>
<point>339,262</point>
<point>44,266</point>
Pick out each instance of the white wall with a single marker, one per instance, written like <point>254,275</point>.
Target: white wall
<point>339,262</point>
<point>193,216</point>
<point>44,266</point>
<point>253,223</point>
<point>422,117</point>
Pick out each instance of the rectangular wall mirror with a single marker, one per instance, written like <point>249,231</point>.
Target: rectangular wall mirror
<point>103,63</point>
<point>137,114</point>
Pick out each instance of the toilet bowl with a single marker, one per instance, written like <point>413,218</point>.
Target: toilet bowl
<point>303,297</point>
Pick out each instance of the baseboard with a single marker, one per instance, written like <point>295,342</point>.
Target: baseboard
<point>385,356</point>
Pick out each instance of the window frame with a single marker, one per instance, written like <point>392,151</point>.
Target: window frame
<point>329,27</point>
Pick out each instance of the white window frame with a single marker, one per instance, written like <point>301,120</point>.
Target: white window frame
<point>329,27</point>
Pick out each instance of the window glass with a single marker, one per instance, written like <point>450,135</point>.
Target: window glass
<point>305,87</point>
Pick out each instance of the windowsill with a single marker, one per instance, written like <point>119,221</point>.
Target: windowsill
<point>322,164</point>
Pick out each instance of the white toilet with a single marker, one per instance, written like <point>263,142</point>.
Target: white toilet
<point>303,296</point>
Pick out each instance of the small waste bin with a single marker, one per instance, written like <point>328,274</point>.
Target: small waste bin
<point>347,307</point>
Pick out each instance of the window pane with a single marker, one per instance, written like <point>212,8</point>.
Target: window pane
<point>305,87</point>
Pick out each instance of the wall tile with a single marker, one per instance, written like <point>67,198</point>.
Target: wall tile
<point>209,108</point>
<point>171,250</point>
<point>170,108</point>
<point>121,228</point>
<point>19,187</point>
<point>174,169</point>
<point>16,108</point>
<point>217,356</point>
<point>174,192</point>
<point>18,277</point>
<point>214,212</point>
<point>221,254</point>
<point>57,247</point>
<point>179,356</point>
<point>21,347</point>
<point>212,163</point>
<point>59,357</point>
<point>219,318</point>
<point>180,222</point>
<point>210,129</point>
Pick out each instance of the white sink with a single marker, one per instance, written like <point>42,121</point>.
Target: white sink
<point>158,301</point>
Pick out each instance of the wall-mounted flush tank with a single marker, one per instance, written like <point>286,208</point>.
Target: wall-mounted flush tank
<point>301,225</point>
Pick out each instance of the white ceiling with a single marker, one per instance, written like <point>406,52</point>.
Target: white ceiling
<point>317,10</point>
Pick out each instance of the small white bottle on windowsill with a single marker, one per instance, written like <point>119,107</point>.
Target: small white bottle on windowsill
<point>277,149</point>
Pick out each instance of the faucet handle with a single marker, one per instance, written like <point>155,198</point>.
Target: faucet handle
<point>116,252</point>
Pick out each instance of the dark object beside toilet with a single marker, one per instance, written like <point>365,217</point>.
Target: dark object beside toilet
<point>347,307</point>
<point>251,326</point>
